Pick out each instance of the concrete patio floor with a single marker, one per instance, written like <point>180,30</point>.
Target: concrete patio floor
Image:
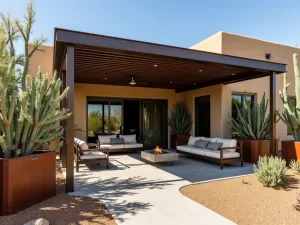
<point>137,193</point>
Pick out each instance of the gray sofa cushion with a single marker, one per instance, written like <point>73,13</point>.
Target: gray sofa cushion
<point>115,141</point>
<point>200,144</point>
<point>214,146</point>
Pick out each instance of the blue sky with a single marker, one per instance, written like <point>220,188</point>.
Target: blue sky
<point>172,22</point>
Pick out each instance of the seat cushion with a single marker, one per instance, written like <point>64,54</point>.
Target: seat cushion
<point>191,149</point>
<point>105,139</point>
<point>226,154</point>
<point>94,154</point>
<point>228,143</point>
<point>193,139</point>
<point>130,138</point>
<point>133,145</point>
<point>111,146</point>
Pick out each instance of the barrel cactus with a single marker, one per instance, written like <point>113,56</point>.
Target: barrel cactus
<point>29,113</point>
<point>180,121</point>
<point>252,122</point>
<point>291,114</point>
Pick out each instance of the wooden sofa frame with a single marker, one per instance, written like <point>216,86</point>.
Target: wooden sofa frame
<point>79,161</point>
<point>221,161</point>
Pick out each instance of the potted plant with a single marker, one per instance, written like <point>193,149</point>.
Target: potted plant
<point>180,124</point>
<point>29,121</point>
<point>253,127</point>
<point>291,116</point>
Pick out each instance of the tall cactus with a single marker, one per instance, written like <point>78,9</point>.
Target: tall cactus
<point>30,114</point>
<point>180,121</point>
<point>252,122</point>
<point>291,115</point>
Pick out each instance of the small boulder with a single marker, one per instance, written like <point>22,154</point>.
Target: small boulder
<point>39,221</point>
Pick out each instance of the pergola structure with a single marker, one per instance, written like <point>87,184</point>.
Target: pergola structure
<point>90,58</point>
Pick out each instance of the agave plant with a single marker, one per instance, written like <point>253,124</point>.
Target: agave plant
<point>252,122</point>
<point>180,121</point>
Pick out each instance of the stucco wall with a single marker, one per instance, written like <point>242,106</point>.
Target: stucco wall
<point>215,92</point>
<point>43,58</point>
<point>211,44</point>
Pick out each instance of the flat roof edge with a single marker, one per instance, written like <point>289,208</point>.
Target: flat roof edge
<point>75,37</point>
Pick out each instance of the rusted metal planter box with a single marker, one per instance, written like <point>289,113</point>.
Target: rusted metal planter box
<point>26,181</point>
<point>290,150</point>
<point>179,139</point>
<point>255,148</point>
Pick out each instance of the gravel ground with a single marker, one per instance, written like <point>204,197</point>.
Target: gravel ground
<point>63,209</point>
<point>245,201</point>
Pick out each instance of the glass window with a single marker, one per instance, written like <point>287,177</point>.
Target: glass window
<point>240,100</point>
<point>104,117</point>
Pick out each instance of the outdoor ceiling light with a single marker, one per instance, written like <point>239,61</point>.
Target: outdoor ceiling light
<point>171,82</point>
<point>200,71</point>
<point>155,65</point>
<point>132,82</point>
<point>233,74</point>
<point>105,78</point>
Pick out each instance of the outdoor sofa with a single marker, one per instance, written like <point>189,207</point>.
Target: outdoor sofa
<point>85,154</point>
<point>213,149</point>
<point>119,143</point>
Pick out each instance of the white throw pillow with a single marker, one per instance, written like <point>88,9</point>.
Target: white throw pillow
<point>193,139</point>
<point>83,145</point>
<point>228,143</point>
<point>105,139</point>
<point>131,138</point>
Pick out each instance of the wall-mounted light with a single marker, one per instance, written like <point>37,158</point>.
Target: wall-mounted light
<point>268,55</point>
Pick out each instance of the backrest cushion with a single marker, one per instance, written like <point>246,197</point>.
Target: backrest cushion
<point>131,138</point>
<point>115,141</point>
<point>200,144</point>
<point>214,146</point>
<point>82,146</point>
<point>214,140</point>
<point>105,139</point>
<point>228,143</point>
<point>193,139</point>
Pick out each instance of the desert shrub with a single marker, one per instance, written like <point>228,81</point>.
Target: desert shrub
<point>270,170</point>
<point>295,165</point>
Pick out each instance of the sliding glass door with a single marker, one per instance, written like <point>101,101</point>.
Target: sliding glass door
<point>155,123</point>
<point>104,117</point>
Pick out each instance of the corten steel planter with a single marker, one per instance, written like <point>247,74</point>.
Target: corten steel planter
<point>255,148</point>
<point>26,181</point>
<point>179,139</point>
<point>290,150</point>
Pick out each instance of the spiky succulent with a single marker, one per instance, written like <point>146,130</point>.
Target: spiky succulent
<point>180,121</point>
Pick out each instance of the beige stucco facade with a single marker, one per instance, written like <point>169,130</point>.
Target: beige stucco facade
<point>220,95</point>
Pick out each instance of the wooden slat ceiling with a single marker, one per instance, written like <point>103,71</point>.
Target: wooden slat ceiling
<point>113,67</point>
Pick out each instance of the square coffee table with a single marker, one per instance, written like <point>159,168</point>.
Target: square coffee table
<point>165,156</point>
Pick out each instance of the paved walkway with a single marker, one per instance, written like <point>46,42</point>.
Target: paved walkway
<point>140,194</point>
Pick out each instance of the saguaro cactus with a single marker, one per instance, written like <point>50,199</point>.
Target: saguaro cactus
<point>291,114</point>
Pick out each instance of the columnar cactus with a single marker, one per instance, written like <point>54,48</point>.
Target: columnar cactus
<point>30,120</point>
<point>30,114</point>
<point>291,115</point>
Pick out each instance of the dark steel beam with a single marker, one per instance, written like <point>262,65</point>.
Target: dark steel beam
<point>99,41</point>
<point>70,120</point>
<point>273,113</point>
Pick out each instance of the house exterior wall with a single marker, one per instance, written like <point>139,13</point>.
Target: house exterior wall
<point>82,91</point>
<point>241,46</point>
<point>42,59</point>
